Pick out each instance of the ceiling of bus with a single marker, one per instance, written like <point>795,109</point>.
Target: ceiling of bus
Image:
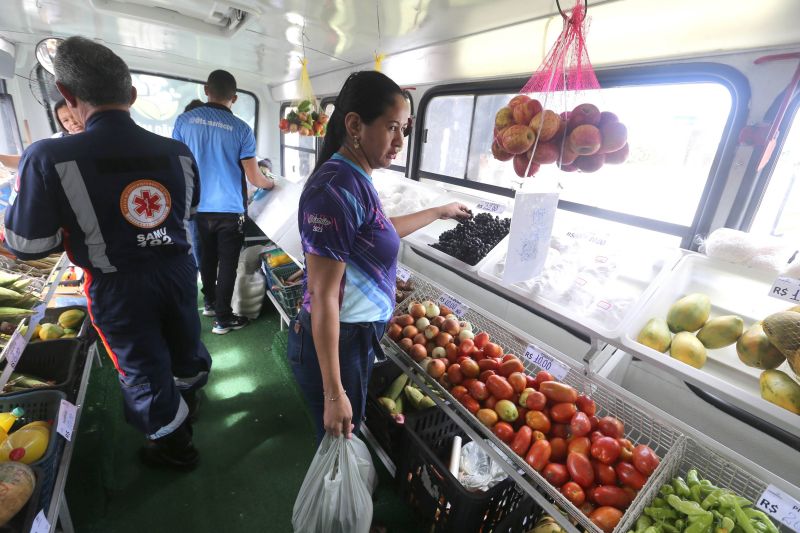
<point>341,34</point>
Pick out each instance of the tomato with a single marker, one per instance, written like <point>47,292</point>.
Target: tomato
<point>536,401</point>
<point>488,364</point>
<point>452,352</point>
<point>508,357</point>
<point>610,495</point>
<point>604,473</point>
<point>579,445</point>
<point>574,493</point>
<point>560,430</point>
<point>503,431</point>
<point>477,389</point>
<point>458,391</point>
<point>454,374</point>
<point>611,427</point>
<point>487,417</point>
<point>531,382</point>
<point>606,518</point>
<point>628,475</point>
<point>559,447</point>
<point>580,469</point>
<point>558,392</point>
<point>563,412</point>
<point>465,346</point>
<point>510,366</point>
<point>596,435</point>
<point>490,402</point>
<point>477,354</point>
<point>555,474</point>
<point>626,454</point>
<point>499,387</point>
<point>492,350</point>
<point>543,376</point>
<point>594,421</point>
<point>580,425</point>
<point>606,450</point>
<point>538,420</point>
<point>481,339</point>
<point>538,435</point>
<point>587,508</point>
<point>523,396</point>
<point>522,441</point>
<point>586,405</point>
<point>470,368</point>
<point>485,375</point>
<point>518,382</point>
<point>470,403</point>
<point>538,455</point>
<point>645,459</point>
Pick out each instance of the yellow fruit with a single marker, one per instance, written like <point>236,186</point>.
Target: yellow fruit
<point>655,334</point>
<point>688,349</point>
<point>721,331</point>
<point>689,313</point>
<point>780,389</point>
<point>71,318</point>
<point>783,331</point>
<point>50,331</point>
<point>754,349</point>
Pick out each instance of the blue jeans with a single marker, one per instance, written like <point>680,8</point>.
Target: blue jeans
<point>358,345</point>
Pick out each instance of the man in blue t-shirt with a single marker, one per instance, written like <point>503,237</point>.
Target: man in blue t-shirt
<point>225,149</point>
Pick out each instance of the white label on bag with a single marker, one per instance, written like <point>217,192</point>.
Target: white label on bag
<point>781,507</point>
<point>14,349</point>
<point>66,419</point>
<point>786,289</point>
<point>40,523</point>
<point>545,362</point>
<point>403,274</point>
<point>457,307</point>
<point>491,207</point>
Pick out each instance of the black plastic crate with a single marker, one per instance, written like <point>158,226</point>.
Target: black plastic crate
<point>54,360</point>
<point>289,296</point>
<point>51,315</point>
<point>388,433</point>
<point>428,486</point>
<point>23,520</point>
<point>522,519</point>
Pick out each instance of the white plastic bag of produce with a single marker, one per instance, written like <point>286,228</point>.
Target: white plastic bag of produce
<point>478,471</point>
<point>248,294</point>
<point>336,495</point>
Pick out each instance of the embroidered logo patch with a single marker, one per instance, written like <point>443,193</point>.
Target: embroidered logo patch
<point>145,203</point>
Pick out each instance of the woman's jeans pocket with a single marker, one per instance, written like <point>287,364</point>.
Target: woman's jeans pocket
<point>295,345</point>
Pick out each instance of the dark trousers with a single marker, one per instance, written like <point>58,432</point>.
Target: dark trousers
<point>358,345</point>
<point>149,324</point>
<point>221,240</point>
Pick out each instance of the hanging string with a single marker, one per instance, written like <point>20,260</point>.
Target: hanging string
<point>379,55</point>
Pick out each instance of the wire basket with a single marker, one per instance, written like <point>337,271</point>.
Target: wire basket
<point>643,423</point>
<point>289,296</point>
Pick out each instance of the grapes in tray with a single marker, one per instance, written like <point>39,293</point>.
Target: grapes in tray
<point>472,239</point>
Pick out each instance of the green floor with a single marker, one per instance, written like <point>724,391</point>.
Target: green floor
<point>255,438</point>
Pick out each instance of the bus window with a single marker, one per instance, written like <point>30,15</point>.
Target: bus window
<point>298,152</point>
<point>10,141</point>
<point>160,99</point>
<point>445,141</point>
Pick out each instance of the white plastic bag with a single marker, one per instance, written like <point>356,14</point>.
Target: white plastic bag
<point>478,471</point>
<point>336,495</point>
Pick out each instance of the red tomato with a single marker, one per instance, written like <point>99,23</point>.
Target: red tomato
<point>503,431</point>
<point>477,354</point>
<point>508,357</point>
<point>522,441</point>
<point>626,454</point>
<point>611,427</point>
<point>587,508</point>
<point>606,450</point>
<point>510,366</point>
<point>558,392</point>
<point>522,412</point>
<point>492,350</point>
<point>454,374</point>
<point>555,474</point>
<point>606,518</point>
<point>559,447</point>
<point>579,445</point>
<point>531,382</point>
<point>518,382</point>
<point>458,391</point>
<point>539,455</point>
<point>477,389</point>
<point>536,401</point>
<point>538,420</point>
<point>499,387</point>
<point>574,493</point>
<point>538,435</point>
<point>560,430</point>
<point>628,475</point>
<point>586,405</point>
<point>470,403</point>
<point>470,368</point>
<point>488,364</point>
<point>610,495</point>
<point>465,347</point>
<point>562,412</point>
<point>580,425</point>
<point>452,352</point>
<point>580,469</point>
<point>645,459</point>
<point>485,375</point>
<point>481,339</point>
<point>543,376</point>
<point>596,435</point>
<point>595,422</point>
<point>490,402</point>
<point>604,473</point>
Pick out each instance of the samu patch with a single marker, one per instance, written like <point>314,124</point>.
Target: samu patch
<point>145,203</point>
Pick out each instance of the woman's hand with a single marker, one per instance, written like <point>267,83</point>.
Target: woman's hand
<point>455,210</point>
<point>337,416</point>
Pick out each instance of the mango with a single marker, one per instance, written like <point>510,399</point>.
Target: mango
<point>777,387</point>
<point>755,350</point>
<point>689,313</point>
<point>721,331</point>
<point>50,332</point>
<point>783,331</point>
<point>655,334</point>
<point>686,348</point>
<point>71,319</point>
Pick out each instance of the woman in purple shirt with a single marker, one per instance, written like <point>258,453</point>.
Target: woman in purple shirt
<point>351,249</point>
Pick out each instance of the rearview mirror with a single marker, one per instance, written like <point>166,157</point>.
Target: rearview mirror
<point>46,51</point>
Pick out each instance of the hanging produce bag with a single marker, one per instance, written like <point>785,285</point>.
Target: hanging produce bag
<point>531,132</point>
<point>305,116</point>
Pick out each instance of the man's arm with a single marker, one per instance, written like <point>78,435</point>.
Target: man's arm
<point>11,161</point>
<point>254,175</point>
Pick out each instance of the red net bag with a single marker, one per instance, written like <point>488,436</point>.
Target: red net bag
<point>530,132</point>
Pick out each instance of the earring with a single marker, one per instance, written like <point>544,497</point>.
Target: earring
<point>356,143</point>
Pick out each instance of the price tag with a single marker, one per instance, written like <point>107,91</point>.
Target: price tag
<point>491,207</point>
<point>14,349</point>
<point>403,274</point>
<point>457,307</point>
<point>545,362</point>
<point>781,507</point>
<point>66,419</point>
<point>38,315</point>
<point>786,289</point>
<point>40,523</point>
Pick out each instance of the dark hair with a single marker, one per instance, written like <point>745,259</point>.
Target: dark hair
<point>61,103</point>
<point>92,72</point>
<point>221,85</point>
<point>265,163</point>
<point>367,93</point>
<point>194,104</point>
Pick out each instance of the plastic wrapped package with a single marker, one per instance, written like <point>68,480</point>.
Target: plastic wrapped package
<point>755,251</point>
<point>477,470</point>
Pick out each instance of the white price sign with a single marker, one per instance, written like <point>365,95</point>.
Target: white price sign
<point>491,207</point>
<point>781,507</point>
<point>40,523</point>
<point>14,349</point>
<point>456,306</point>
<point>403,274</point>
<point>66,419</point>
<point>786,289</point>
<point>545,362</point>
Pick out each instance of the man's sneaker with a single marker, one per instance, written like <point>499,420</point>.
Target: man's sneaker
<point>208,310</point>
<point>174,451</point>
<point>221,327</point>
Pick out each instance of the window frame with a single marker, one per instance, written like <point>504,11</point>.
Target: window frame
<point>6,100</point>
<point>728,77</point>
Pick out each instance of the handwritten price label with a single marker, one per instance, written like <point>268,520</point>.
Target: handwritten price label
<point>491,207</point>
<point>454,304</point>
<point>403,274</point>
<point>786,289</point>
<point>545,362</point>
<point>14,349</point>
<point>781,507</point>
<point>40,523</point>
<point>66,419</point>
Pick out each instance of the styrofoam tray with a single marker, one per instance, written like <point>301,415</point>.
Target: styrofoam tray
<point>733,290</point>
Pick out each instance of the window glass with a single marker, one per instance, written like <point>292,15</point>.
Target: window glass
<point>10,142</point>
<point>446,138</point>
<point>160,100</point>
<point>295,139</point>
<point>297,164</point>
<point>482,166</point>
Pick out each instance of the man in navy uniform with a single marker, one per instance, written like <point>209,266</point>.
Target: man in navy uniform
<point>118,199</point>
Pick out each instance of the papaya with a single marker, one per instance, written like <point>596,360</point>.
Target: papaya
<point>783,331</point>
<point>50,331</point>
<point>777,387</point>
<point>755,350</point>
<point>655,334</point>
<point>689,313</point>
<point>688,349</point>
<point>721,331</point>
<point>17,482</point>
<point>71,319</point>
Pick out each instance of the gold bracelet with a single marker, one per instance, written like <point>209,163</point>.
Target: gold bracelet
<point>336,398</point>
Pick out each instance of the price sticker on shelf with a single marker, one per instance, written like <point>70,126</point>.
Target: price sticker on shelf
<point>66,419</point>
<point>786,289</point>
<point>545,362</point>
<point>454,304</point>
<point>40,523</point>
<point>403,274</point>
<point>491,207</point>
<point>14,349</point>
<point>781,507</point>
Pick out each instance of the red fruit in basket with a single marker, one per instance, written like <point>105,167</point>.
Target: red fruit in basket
<point>487,417</point>
<point>523,167</point>
<point>583,114</point>
<point>454,374</point>
<point>618,157</point>
<point>458,391</point>
<point>606,518</point>
<point>405,344</point>
<point>595,422</point>
<point>584,140</point>
<point>510,366</point>
<point>525,111</point>
<point>531,382</point>
<point>477,389</point>
<point>607,117</point>
<point>546,153</point>
<point>519,99</point>
<point>628,475</point>
<point>465,347</point>
<point>543,376</point>
<point>536,401</point>
<point>481,339</point>
<point>563,412</point>
<point>595,435</point>
<point>558,392</point>
<point>500,387</point>
<point>612,496</point>
<point>560,430</point>
<point>470,368</point>
<point>615,136</point>
<point>517,139</point>
<point>580,426</point>
<point>498,152</point>
<point>484,376</point>
<point>611,427</point>
<point>626,450</point>
<point>590,163</point>
<point>606,450</point>
<point>559,447</point>
<point>546,124</point>
<point>489,364</point>
<point>507,410</point>
<point>604,474</point>
<point>580,469</point>
<point>538,420</point>
<point>522,441</point>
<point>580,445</point>
<point>504,118</point>
<point>555,474</point>
<point>452,352</point>
<point>503,431</point>
<point>568,157</point>
<point>470,403</point>
<point>574,493</point>
<point>538,455</point>
<point>586,405</point>
<point>490,403</point>
<point>645,459</point>
<point>418,352</point>
<point>517,381</point>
